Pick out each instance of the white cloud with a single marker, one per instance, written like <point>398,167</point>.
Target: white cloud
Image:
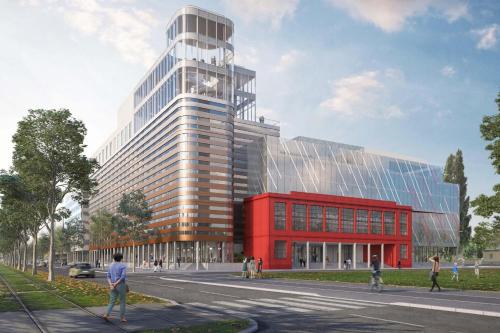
<point>448,71</point>
<point>288,60</point>
<point>127,29</point>
<point>246,56</point>
<point>487,36</point>
<point>263,10</point>
<point>364,95</point>
<point>391,15</point>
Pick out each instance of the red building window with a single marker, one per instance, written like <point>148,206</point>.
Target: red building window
<point>280,249</point>
<point>279,216</point>
<point>376,222</point>
<point>299,217</point>
<point>348,220</point>
<point>332,219</point>
<point>362,221</point>
<point>403,224</point>
<point>389,223</point>
<point>316,218</point>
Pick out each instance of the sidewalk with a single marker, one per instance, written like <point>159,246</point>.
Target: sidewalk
<point>140,317</point>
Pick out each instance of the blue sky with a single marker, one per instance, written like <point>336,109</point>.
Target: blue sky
<point>409,77</point>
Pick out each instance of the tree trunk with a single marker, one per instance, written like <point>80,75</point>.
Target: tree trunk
<point>51,277</point>
<point>25,250</point>
<point>19,257</point>
<point>33,267</point>
<point>133,257</point>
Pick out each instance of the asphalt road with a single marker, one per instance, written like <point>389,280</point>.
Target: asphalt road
<point>309,306</point>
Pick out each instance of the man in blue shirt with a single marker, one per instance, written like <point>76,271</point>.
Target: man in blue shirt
<point>116,277</point>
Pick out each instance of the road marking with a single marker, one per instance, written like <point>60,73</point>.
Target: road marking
<point>270,305</point>
<point>323,303</point>
<point>390,321</point>
<point>232,304</point>
<point>305,306</point>
<point>212,293</point>
<point>449,309</point>
<point>344,300</point>
<point>155,284</point>
<point>221,309</point>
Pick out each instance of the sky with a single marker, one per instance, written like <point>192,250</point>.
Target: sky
<point>410,77</point>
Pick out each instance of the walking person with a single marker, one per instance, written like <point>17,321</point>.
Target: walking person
<point>160,264</point>
<point>435,272</point>
<point>155,264</point>
<point>454,271</point>
<point>399,264</point>
<point>179,262</point>
<point>260,263</point>
<point>349,262</point>
<point>252,267</point>
<point>244,268</point>
<point>116,276</point>
<point>476,268</point>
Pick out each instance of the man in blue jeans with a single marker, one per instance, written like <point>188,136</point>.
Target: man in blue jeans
<point>116,276</point>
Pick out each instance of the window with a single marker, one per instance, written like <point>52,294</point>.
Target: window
<point>376,223</point>
<point>403,223</point>
<point>179,25</point>
<point>279,216</point>
<point>280,249</point>
<point>332,219</point>
<point>316,218</point>
<point>220,32</point>
<point>389,223</point>
<point>347,220</point>
<point>190,23</point>
<point>211,29</point>
<point>403,251</point>
<point>299,217</point>
<point>202,26</point>
<point>362,221</point>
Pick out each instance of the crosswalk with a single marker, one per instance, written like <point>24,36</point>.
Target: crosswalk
<point>265,306</point>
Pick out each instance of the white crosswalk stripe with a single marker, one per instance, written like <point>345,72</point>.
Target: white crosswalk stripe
<point>340,300</point>
<point>220,309</point>
<point>339,305</point>
<point>260,303</point>
<point>297,304</point>
<point>233,304</point>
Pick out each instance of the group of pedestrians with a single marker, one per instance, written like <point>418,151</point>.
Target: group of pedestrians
<point>250,269</point>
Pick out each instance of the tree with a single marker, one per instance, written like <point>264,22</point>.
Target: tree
<point>454,173</point>
<point>75,232</point>
<point>101,228</point>
<point>484,237</point>
<point>48,155</point>
<point>43,245</point>
<point>134,208</point>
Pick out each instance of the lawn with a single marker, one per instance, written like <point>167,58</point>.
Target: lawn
<point>489,279</point>
<point>84,293</point>
<point>225,326</point>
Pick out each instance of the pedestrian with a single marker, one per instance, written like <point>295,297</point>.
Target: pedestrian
<point>160,263</point>
<point>476,268</point>
<point>116,276</point>
<point>179,262</point>
<point>155,264</point>
<point>349,262</point>
<point>259,268</point>
<point>454,271</point>
<point>97,263</point>
<point>327,260</point>
<point>252,267</point>
<point>345,264</point>
<point>434,272</point>
<point>399,264</point>
<point>244,268</point>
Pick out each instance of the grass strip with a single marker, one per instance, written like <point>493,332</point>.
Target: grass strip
<point>225,326</point>
<point>489,279</point>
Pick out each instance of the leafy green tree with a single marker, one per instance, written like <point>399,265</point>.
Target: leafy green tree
<point>43,245</point>
<point>48,155</point>
<point>489,206</point>
<point>101,228</point>
<point>484,237</point>
<point>134,208</point>
<point>454,173</point>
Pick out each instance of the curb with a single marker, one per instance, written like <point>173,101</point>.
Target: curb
<point>254,327</point>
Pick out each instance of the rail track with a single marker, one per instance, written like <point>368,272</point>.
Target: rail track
<point>34,319</point>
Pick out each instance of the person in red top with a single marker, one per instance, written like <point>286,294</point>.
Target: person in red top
<point>434,272</point>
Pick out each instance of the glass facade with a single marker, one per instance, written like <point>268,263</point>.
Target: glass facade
<point>317,166</point>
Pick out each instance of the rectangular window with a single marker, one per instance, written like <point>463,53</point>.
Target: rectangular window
<point>332,219</point>
<point>280,249</point>
<point>279,216</point>
<point>403,223</point>
<point>347,220</point>
<point>299,217</point>
<point>376,222</point>
<point>190,23</point>
<point>389,223</point>
<point>202,26</point>
<point>403,251</point>
<point>362,221</point>
<point>316,218</point>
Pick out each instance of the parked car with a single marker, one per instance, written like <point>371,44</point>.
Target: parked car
<point>81,269</point>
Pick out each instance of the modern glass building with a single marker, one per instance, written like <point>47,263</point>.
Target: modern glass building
<point>188,136</point>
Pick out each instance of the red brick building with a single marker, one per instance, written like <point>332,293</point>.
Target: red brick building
<point>321,231</point>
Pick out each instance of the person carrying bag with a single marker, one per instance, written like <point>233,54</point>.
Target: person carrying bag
<point>434,272</point>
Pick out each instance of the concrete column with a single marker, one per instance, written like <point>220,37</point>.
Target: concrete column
<point>149,254</point>
<point>339,255</point>
<point>368,256</point>
<point>382,256</point>
<point>142,257</point>
<point>307,255</point>
<point>197,255</point>
<point>354,255</point>
<point>175,255</point>
<point>161,252</point>
<point>223,252</point>
<point>324,255</point>
<point>167,258</point>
